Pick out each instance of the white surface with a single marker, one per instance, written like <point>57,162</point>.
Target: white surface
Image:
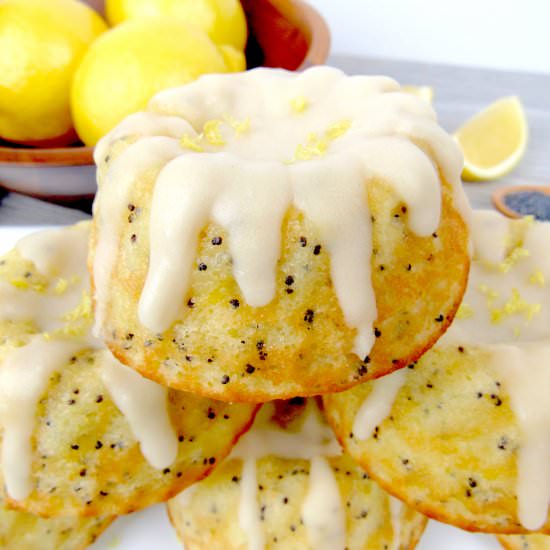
<point>151,530</point>
<point>500,34</point>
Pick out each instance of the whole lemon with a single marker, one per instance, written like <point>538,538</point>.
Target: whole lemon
<point>223,20</point>
<point>126,66</point>
<point>41,44</point>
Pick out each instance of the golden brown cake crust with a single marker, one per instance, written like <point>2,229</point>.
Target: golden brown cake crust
<point>22,531</point>
<point>524,542</point>
<point>448,447</point>
<point>299,344</point>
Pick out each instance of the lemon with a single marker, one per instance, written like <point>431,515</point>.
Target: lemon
<point>494,140</point>
<point>423,92</point>
<point>126,66</point>
<point>223,20</point>
<point>41,44</point>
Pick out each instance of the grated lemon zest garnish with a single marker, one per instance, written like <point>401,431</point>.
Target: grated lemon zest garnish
<point>239,126</point>
<point>78,320</point>
<point>299,104</point>
<point>338,129</point>
<point>212,133</point>
<point>513,306</point>
<point>490,293</point>
<point>513,258</point>
<point>537,278</point>
<point>192,143</point>
<point>316,146</point>
<point>25,284</point>
<point>82,311</point>
<point>61,287</point>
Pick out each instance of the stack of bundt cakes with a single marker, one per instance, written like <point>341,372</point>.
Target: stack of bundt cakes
<point>261,241</point>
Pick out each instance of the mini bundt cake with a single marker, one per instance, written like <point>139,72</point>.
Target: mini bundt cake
<point>288,485</point>
<point>82,434</point>
<point>269,234</point>
<point>464,434</point>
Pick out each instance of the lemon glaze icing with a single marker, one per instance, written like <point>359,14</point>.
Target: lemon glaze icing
<point>240,150</point>
<point>315,441</point>
<point>62,314</point>
<point>505,311</point>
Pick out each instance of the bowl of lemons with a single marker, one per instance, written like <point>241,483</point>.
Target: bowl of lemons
<point>70,71</point>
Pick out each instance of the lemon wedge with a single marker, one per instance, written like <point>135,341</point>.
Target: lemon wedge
<point>423,92</point>
<point>494,140</point>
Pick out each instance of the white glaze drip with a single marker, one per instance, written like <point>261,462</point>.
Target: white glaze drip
<point>490,236</point>
<point>144,404</point>
<point>140,157</point>
<point>187,192</point>
<point>322,512</point>
<point>345,231</point>
<point>313,441</point>
<point>506,311</point>
<point>356,128</point>
<point>378,404</point>
<point>396,509</point>
<point>526,376</point>
<point>249,511</point>
<point>139,125</point>
<point>25,371</point>
<point>24,376</point>
<point>57,252</point>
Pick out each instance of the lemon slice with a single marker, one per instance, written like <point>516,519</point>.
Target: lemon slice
<point>494,140</point>
<point>424,92</point>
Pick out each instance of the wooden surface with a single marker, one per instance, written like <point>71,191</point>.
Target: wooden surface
<point>459,93</point>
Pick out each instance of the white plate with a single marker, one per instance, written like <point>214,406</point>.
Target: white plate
<point>151,530</point>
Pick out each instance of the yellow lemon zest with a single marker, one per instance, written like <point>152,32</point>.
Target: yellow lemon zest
<point>515,305</point>
<point>490,293</point>
<point>513,258</point>
<point>240,126</point>
<point>299,104</point>
<point>61,287</point>
<point>537,278</point>
<point>338,129</point>
<point>193,143</point>
<point>212,133</point>
<point>316,146</point>
<point>78,320</point>
<point>25,284</point>
<point>82,311</point>
<point>20,284</point>
<point>465,311</point>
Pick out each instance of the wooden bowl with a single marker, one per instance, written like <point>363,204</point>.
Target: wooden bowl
<point>499,197</point>
<point>282,33</point>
